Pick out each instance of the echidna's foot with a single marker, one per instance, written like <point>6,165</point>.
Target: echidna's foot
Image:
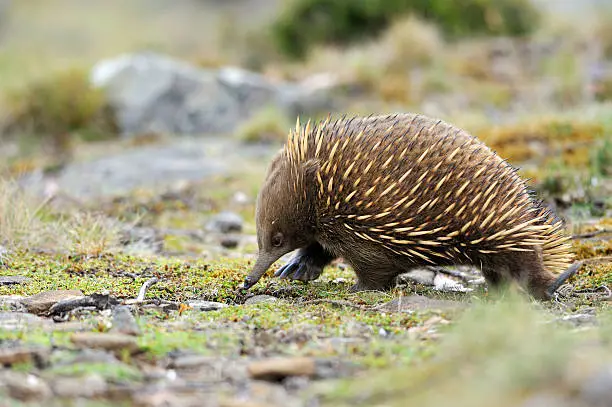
<point>299,268</point>
<point>306,265</point>
<point>571,270</point>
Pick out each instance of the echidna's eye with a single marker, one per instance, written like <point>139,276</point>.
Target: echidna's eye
<point>277,239</point>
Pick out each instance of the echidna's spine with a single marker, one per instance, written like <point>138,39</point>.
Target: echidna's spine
<point>427,190</point>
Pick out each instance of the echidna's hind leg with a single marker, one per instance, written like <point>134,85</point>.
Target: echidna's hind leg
<point>307,264</point>
<point>370,277</point>
<point>527,268</point>
<point>496,277</point>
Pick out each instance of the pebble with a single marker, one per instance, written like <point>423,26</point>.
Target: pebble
<point>25,387</point>
<point>444,283</point>
<point>42,302</point>
<point>12,302</point>
<point>225,222</point>
<point>281,367</point>
<point>597,389</point>
<point>190,362</point>
<point>70,357</point>
<point>259,299</point>
<point>11,356</point>
<point>124,322</point>
<point>19,321</point>
<point>11,280</point>
<point>240,403</point>
<point>107,341</point>
<point>420,276</point>
<point>207,305</point>
<point>229,242</point>
<point>419,302</point>
<point>89,386</point>
<point>546,400</point>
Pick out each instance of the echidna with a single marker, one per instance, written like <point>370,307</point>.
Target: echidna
<point>390,193</point>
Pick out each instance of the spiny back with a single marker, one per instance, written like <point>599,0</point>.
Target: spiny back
<point>422,188</point>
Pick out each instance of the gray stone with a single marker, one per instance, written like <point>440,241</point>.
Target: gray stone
<point>19,321</point>
<point>597,390</point>
<point>207,305</point>
<point>259,299</point>
<point>12,280</point>
<point>155,93</point>
<point>445,283</point>
<point>42,302</point>
<point>11,356</point>
<point>230,242</point>
<point>419,302</point>
<point>281,367</point>
<point>420,276</point>
<point>88,387</point>
<point>225,222</point>
<point>107,341</point>
<point>124,322</point>
<point>25,387</point>
<point>12,302</point>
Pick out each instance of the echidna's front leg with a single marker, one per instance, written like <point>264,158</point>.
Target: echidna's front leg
<point>307,264</point>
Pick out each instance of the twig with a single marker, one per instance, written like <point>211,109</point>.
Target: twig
<point>337,303</point>
<point>592,234</point>
<point>144,288</point>
<point>594,291</point>
<point>596,260</point>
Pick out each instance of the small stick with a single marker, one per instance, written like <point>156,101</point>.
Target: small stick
<point>592,234</point>
<point>145,287</point>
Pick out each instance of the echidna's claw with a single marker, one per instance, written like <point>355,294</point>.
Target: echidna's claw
<point>301,267</point>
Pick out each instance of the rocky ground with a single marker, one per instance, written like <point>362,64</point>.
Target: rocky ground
<point>121,266</point>
<point>162,319</point>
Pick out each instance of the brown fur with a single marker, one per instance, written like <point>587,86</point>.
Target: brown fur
<point>390,193</point>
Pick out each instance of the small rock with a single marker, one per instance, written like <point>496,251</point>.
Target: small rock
<point>546,400</point>
<point>108,341</point>
<point>84,356</point>
<point>597,390</point>
<point>18,321</point>
<point>124,322</point>
<point>97,301</point>
<point>70,326</point>
<point>207,305</point>
<point>229,242</point>
<point>71,387</point>
<point>11,356</point>
<point>12,302</point>
<point>444,283</point>
<point>240,198</point>
<point>260,299</point>
<point>190,362</point>
<point>233,402</point>
<point>225,222</point>
<point>420,276</point>
<point>579,319</point>
<point>11,280</point>
<point>25,387</point>
<point>279,368</point>
<point>418,302</point>
<point>42,302</point>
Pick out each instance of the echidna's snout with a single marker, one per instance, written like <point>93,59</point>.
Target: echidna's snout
<point>263,263</point>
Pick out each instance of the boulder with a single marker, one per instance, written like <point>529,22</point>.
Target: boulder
<point>154,93</point>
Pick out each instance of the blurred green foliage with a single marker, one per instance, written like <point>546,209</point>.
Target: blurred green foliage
<point>59,104</point>
<point>305,23</point>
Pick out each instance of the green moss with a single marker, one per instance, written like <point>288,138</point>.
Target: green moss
<point>115,372</point>
<point>60,105</point>
<point>268,125</point>
<point>494,354</point>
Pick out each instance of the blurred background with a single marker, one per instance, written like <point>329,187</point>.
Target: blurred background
<point>103,98</point>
